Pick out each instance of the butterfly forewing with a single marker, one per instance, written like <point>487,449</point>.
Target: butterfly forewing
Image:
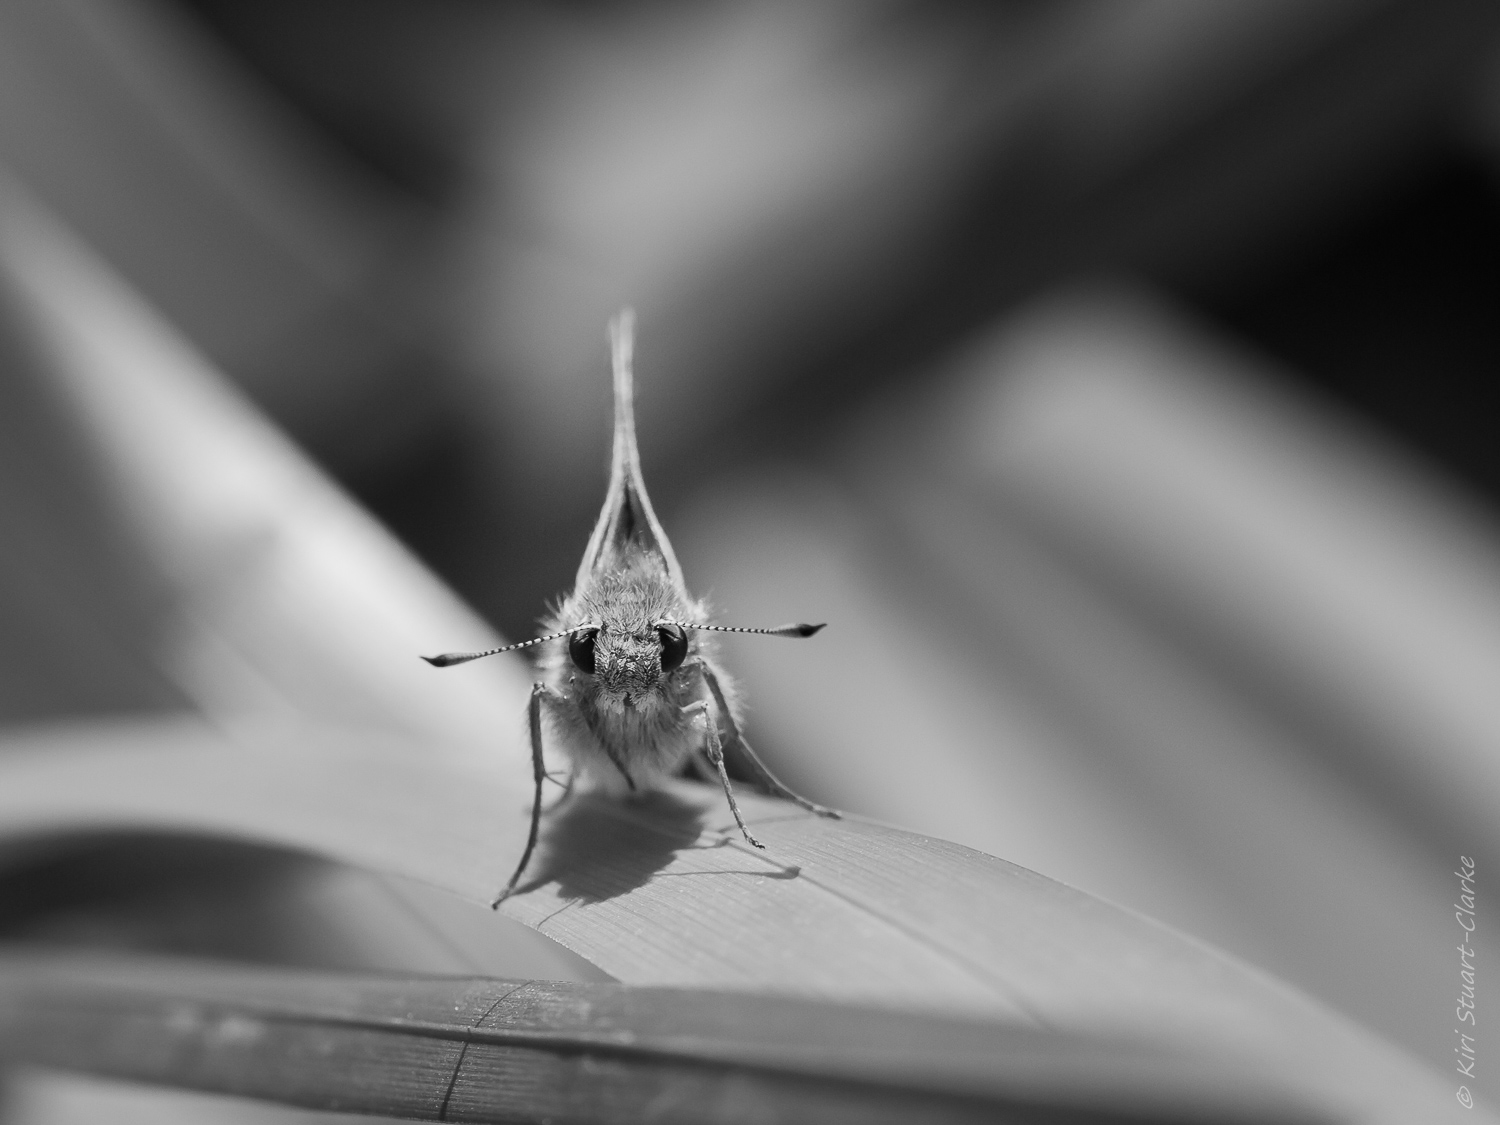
<point>627,524</point>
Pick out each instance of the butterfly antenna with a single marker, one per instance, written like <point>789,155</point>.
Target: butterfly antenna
<point>448,659</point>
<point>778,631</point>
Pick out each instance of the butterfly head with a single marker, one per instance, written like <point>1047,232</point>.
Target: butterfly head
<point>629,647</point>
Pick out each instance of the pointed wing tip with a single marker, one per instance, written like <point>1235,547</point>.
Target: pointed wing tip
<point>622,326</point>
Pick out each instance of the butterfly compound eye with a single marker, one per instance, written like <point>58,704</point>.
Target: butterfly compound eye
<point>673,647</point>
<point>581,649</point>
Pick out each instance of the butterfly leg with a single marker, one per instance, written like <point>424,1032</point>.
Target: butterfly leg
<point>769,779</point>
<point>716,756</point>
<point>702,768</point>
<point>539,692</point>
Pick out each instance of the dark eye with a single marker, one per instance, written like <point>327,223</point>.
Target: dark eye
<point>581,649</point>
<point>673,647</point>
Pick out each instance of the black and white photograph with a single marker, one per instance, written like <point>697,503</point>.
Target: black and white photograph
<point>741,562</point>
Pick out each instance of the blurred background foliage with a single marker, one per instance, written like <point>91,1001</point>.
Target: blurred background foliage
<point>1115,378</point>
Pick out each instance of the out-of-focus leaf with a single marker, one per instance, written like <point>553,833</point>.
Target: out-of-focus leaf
<point>288,603</point>
<point>260,243</point>
<point>498,1050</point>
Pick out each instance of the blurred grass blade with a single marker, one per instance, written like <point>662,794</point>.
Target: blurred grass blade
<point>496,1050</point>
<point>287,603</point>
<point>1357,589</point>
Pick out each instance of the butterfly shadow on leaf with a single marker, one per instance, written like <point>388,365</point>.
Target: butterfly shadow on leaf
<point>596,848</point>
